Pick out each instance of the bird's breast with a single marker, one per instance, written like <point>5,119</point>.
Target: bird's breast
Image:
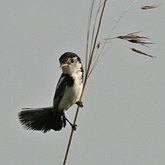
<point>71,94</point>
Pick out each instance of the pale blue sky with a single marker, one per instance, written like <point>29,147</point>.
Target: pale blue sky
<point>123,119</point>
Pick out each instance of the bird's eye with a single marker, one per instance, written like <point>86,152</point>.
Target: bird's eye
<point>72,60</point>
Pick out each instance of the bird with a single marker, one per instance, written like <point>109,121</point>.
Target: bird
<point>67,93</point>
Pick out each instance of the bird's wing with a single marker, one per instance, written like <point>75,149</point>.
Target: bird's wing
<point>60,89</point>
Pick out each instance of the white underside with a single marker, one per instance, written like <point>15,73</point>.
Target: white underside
<point>71,94</point>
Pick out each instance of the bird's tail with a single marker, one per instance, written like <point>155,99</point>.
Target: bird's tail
<point>42,119</point>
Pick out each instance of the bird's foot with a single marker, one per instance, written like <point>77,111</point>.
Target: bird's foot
<point>80,104</point>
<point>74,127</point>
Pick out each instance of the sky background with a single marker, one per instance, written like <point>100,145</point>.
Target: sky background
<point>123,119</point>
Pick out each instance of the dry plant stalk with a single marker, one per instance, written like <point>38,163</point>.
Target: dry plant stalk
<point>89,59</point>
<point>93,44</point>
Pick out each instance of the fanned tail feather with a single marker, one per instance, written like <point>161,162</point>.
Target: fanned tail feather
<point>42,119</point>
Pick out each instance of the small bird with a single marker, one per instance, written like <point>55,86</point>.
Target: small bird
<point>68,91</point>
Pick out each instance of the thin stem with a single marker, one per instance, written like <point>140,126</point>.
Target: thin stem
<point>85,82</point>
<point>121,16</point>
<point>96,37</point>
<point>94,27</point>
<point>88,34</point>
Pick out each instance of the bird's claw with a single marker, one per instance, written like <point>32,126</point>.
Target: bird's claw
<point>80,104</point>
<point>74,127</point>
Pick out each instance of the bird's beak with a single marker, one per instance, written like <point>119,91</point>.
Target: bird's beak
<point>64,65</point>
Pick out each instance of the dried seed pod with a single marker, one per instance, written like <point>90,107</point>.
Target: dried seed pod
<point>140,52</point>
<point>146,7</point>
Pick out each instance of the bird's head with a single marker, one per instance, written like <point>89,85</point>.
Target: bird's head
<point>70,63</point>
